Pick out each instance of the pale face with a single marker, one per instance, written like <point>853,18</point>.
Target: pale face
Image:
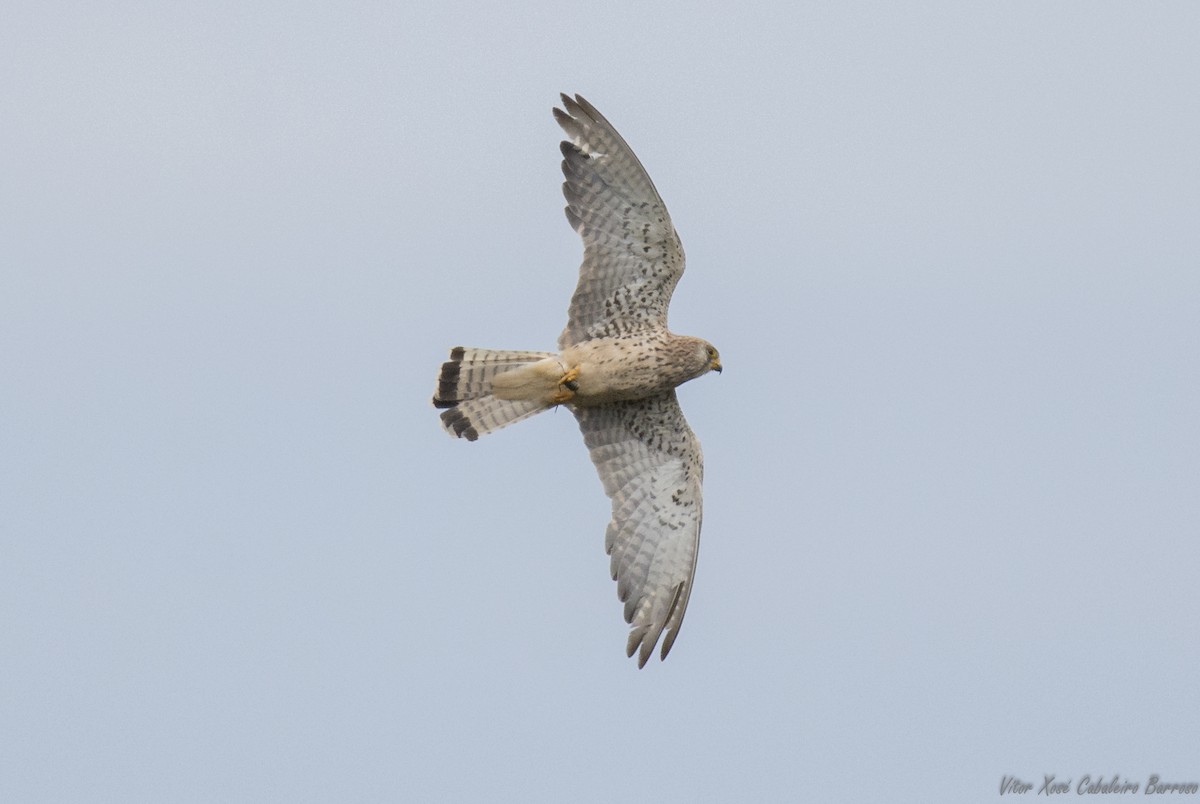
<point>714,359</point>
<point>706,358</point>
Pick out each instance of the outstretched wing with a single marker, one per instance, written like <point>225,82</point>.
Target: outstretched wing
<point>651,466</point>
<point>632,257</point>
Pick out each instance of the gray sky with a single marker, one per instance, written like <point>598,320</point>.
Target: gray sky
<point>950,254</point>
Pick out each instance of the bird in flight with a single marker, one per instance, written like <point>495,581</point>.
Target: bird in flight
<point>616,369</point>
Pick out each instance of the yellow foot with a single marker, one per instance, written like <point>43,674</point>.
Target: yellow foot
<point>567,386</point>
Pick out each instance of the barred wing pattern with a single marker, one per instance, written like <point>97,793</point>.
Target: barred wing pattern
<point>652,468</point>
<point>632,256</point>
<point>646,455</point>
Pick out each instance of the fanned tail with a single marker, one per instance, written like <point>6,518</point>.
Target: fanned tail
<point>465,390</point>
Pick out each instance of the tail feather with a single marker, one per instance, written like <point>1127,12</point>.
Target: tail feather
<point>464,391</point>
<point>472,418</point>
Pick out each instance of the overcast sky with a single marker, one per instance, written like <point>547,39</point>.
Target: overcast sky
<point>950,254</point>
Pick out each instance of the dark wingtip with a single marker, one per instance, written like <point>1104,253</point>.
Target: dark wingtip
<point>668,641</point>
<point>672,632</point>
<point>587,108</point>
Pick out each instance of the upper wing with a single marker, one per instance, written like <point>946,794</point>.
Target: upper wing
<point>632,257</point>
<point>651,466</point>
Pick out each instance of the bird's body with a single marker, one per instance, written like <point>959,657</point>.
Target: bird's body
<point>601,373</point>
<point>617,368</point>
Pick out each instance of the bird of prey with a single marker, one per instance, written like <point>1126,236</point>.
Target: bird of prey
<point>616,369</point>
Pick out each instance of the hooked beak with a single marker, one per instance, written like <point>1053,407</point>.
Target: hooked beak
<point>715,364</point>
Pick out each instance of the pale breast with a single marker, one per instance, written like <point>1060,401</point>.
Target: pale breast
<point>612,369</point>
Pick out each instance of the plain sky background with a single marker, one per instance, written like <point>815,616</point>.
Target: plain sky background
<point>950,254</point>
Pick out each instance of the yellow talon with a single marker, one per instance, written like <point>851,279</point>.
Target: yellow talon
<point>567,386</point>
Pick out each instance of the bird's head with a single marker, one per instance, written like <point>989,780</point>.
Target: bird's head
<point>714,358</point>
<point>702,357</point>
